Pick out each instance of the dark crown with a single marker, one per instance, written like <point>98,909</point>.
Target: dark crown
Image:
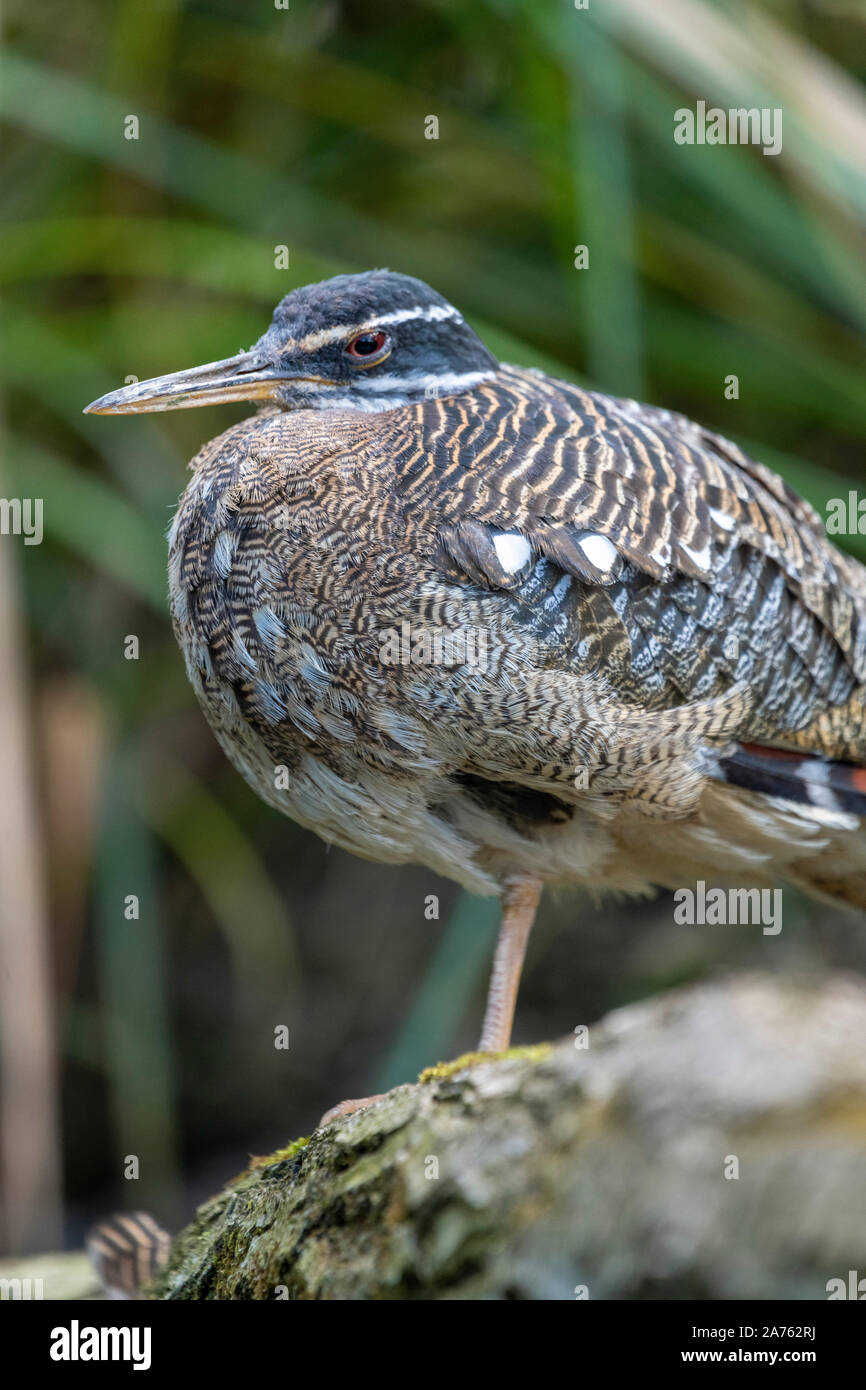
<point>378,340</point>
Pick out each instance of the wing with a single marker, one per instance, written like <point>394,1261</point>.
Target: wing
<point>642,546</point>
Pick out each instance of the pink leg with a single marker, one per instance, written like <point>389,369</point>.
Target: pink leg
<point>519,903</point>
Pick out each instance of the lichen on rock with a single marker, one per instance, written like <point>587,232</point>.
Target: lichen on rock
<point>706,1144</point>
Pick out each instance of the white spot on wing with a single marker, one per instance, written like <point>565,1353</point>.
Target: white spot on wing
<point>513,551</point>
<point>600,552</point>
<point>701,558</point>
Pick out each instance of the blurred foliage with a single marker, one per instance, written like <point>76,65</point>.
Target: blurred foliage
<point>305,127</point>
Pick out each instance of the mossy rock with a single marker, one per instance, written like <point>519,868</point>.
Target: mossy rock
<point>706,1144</point>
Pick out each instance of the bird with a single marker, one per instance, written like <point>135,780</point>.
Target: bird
<point>127,1251</point>
<point>451,612</point>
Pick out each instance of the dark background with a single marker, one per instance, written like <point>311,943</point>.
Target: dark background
<point>305,127</point>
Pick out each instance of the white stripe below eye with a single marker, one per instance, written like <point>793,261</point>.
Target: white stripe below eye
<point>438,382</point>
<point>434,313</point>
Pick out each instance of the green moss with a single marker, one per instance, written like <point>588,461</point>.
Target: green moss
<point>280,1156</point>
<point>537,1052</point>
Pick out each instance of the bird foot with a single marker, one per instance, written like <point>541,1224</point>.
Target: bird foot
<point>346,1107</point>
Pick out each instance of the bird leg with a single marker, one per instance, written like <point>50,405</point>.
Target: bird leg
<point>519,903</point>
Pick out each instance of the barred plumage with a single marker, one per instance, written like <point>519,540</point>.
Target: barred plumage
<point>660,615</point>
<point>127,1251</point>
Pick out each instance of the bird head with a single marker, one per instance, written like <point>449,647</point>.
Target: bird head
<point>355,342</point>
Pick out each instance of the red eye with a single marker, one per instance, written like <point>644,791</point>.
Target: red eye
<point>367,344</point>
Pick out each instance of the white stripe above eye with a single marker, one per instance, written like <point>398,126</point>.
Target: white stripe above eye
<point>434,313</point>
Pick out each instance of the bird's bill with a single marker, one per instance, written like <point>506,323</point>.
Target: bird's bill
<point>241,378</point>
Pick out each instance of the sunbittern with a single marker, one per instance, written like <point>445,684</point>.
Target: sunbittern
<point>447,611</point>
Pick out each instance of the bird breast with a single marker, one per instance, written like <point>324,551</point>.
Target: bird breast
<point>297,596</point>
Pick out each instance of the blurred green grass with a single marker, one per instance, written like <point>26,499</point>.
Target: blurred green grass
<point>306,128</point>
